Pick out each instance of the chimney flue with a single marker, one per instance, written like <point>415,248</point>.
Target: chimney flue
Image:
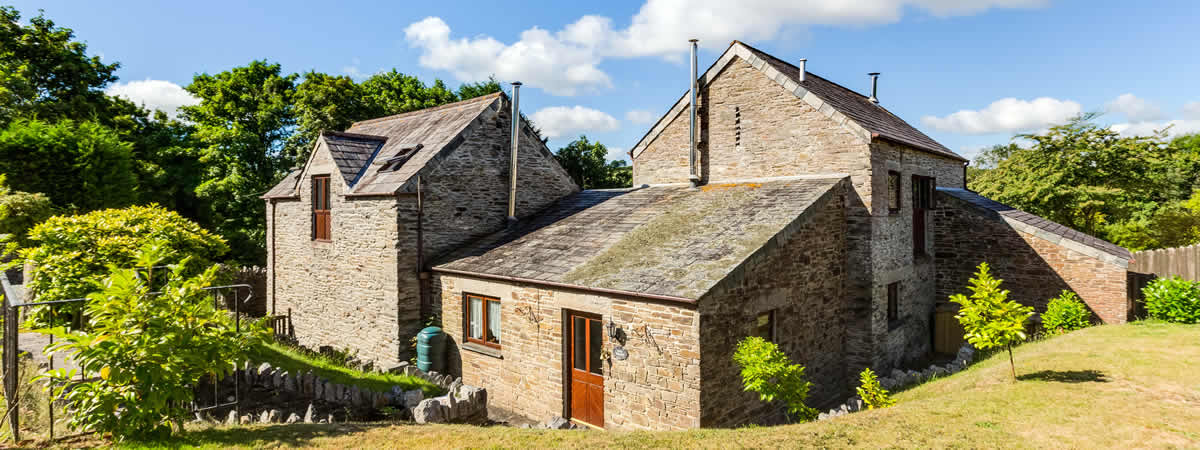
<point>512,159</point>
<point>803,62</point>
<point>874,87</point>
<point>692,177</point>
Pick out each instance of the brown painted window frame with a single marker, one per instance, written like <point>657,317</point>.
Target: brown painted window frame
<point>483,320</point>
<point>771,325</point>
<point>322,231</point>
<point>898,194</point>
<point>893,303</point>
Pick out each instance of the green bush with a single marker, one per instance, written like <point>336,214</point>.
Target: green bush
<point>20,211</point>
<point>148,350</point>
<point>989,318</point>
<point>769,373</point>
<point>1065,313</point>
<point>1173,300</point>
<point>71,253</point>
<point>78,163</point>
<point>874,395</point>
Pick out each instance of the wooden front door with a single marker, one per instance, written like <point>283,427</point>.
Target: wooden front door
<point>587,372</point>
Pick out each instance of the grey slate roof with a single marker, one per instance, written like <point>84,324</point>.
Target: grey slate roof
<point>286,188</point>
<point>351,151</point>
<point>432,128</point>
<point>876,119</point>
<point>1037,222</point>
<point>668,240</point>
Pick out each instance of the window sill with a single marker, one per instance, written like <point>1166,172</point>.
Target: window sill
<point>483,350</point>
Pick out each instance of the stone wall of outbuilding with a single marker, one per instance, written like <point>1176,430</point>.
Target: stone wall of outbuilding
<point>800,275</point>
<point>1035,267</point>
<point>656,388</point>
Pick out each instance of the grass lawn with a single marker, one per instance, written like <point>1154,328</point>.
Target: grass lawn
<point>282,356</point>
<point>1103,387</point>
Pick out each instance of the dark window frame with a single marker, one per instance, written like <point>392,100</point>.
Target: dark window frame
<point>483,320</point>
<point>923,190</point>
<point>771,325</point>
<point>893,303</point>
<point>322,220</point>
<point>897,194</point>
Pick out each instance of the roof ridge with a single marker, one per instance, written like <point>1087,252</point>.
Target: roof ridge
<point>763,53</point>
<point>343,134</point>
<point>491,96</point>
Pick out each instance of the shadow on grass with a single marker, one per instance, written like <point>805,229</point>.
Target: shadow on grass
<point>1066,376</point>
<point>290,435</point>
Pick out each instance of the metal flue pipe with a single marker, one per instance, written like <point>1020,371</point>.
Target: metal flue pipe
<point>512,159</point>
<point>874,87</point>
<point>695,179</point>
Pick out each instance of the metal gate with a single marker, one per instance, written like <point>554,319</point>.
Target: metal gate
<point>226,297</point>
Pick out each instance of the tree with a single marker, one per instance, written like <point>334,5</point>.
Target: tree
<point>587,164</point>
<point>45,73</point>
<point>392,92</point>
<point>478,89</point>
<point>20,211</point>
<point>77,164</point>
<point>874,395</point>
<point>1091,178</point>
<point>148,348</point>
<point>324,102</point>
<point>769,373</point>
<point>989,318</point>
<point>241,124</point>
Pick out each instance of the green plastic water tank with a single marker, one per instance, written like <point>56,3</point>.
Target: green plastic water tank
<point>431,350</point>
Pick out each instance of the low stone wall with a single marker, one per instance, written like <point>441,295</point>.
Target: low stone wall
<point>900,379</point>
<point>304,391</point>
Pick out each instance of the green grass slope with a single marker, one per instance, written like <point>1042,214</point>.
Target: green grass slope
<point>1104,387</point>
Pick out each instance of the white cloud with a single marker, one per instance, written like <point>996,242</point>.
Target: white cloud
<point>1191,110</point>
<point>640,116</point>
<point>558,121</point>
<point>1007,115</point>
<point>154,94</point>
<point>1148,128</point>
<point>1134,108</point>
<point>566,62</point>
<point>353,71</point>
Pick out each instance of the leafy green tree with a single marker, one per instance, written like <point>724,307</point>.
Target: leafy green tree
<point>70,253</point>
<point>20,211</point>
<point>478,89</point>
<point>769,373</point>
<point>148,348</point>
<point>990,319</point>
<point>45,73</point>
<point>392,92</point>
<point>241,124</point>
<point>1065,313</point>
<point>324,102</point>
<point>874,395</point>
<point>587,164</point>
<point>80,164</point>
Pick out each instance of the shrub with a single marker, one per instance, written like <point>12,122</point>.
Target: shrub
<point>874,395</point>
<point>72,253</point>
<point>20,211</point>
<point>78,163</point>
<point>989,318</point>
<point>1173,300</point>
<point>769,373</point>
<point>148,350</point>
<point>1065,313</point>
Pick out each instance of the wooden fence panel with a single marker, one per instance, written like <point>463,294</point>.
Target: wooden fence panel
<point>1180,261</point>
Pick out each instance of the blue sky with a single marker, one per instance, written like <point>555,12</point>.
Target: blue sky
<point>968,72</point>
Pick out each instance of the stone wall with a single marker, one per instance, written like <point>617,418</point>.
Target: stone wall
<point>355,291</point>
<point>657,387</point>
<point>465,195</point>
<point>800,275</point>
<point>1033,268</point>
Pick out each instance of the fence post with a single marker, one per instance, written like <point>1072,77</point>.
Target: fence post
<point>10,360</point>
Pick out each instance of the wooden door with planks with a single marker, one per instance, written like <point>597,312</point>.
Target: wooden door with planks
<point>587,371</point>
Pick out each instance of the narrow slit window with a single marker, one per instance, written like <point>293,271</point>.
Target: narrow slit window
<point>764,325</point>
<point>893,192</point>
<point>321,220</point>
<point>893,302</point>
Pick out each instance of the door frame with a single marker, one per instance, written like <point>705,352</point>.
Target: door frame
<point>567,362</point>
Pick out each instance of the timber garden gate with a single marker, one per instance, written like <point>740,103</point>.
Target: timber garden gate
<point>227,297</point>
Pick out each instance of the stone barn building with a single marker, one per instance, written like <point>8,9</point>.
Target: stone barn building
<point>806,214</point>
